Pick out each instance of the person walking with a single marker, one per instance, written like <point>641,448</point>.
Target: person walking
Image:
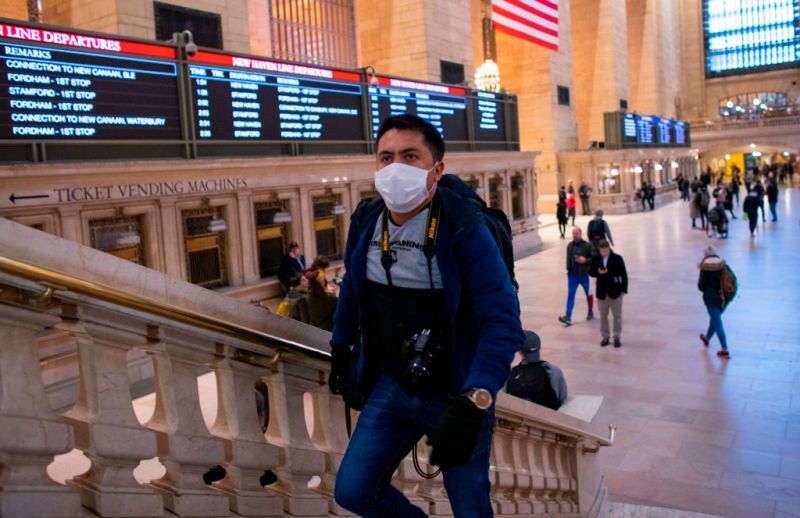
<point>561,212</point>
<point>695,209</point>
<point>584,191</point>
<point>705,203</point>
<point>598,230</point>
<point>760,191</point>
<point>710,283</point>
<point>651,196</point>
<point>750,208</point>
<point>772,199</point>
<point>435,331</point>
<point>644,193</point>
<point>611,285</point>
<point>571,202</point>
<point>749,176</point>
<point>579,260</point>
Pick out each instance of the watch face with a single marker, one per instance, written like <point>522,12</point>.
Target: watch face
<point>482,398</point>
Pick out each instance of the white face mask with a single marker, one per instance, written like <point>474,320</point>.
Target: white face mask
<point>402,187</point>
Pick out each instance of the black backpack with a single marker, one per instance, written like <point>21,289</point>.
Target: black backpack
<point>496,221</point>
<point>596,230</point>
<point>499,226</point>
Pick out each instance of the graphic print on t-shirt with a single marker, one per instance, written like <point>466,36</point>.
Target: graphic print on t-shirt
<point>411,267</point>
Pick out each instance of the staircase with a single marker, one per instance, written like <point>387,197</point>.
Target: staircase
<point>196,445</point>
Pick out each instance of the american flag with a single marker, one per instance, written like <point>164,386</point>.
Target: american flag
<point>532,20</point>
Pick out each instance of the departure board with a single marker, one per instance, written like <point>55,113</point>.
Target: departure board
<point>664,130</point>
<point>444,106</point>
<point>64,85</point>
<point>488,116</point>
<point>245,98</point>
<point>629,131</point>
<point>645,129</point>
<point>680,133</point>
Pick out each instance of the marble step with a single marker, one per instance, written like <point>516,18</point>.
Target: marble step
<point>623,510</point>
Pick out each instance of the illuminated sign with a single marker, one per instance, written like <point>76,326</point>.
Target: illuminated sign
<point>59,85</point>
<point>444,106</point>
<point>488,116</point>
<point>631,130</point>
<point>244,98</point>
<point>741,37</point>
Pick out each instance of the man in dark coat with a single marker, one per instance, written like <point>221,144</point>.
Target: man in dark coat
<point>612,284</point>
<point>293,265</point>
<point>584,191</point>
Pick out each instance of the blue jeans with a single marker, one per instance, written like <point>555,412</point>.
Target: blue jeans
<point>392,422</point>
<point>715,326</point>
<point>773,206</point>
<point>573,281</point>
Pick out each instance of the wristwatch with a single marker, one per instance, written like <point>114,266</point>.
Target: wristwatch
<point>481,398</point>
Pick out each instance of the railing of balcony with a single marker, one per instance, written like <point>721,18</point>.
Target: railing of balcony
<point>770,122</point>
<point>543,462</point>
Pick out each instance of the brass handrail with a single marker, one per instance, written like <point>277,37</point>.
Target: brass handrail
<point>54,281</point>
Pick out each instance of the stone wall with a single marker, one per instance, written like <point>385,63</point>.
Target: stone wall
<point>393,37</point>
<point>16,9</point>
<point>135,18</point>
<point>599,63</point>
<point>534,73</point>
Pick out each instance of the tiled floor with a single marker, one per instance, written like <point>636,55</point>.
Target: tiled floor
<point>694,432</point>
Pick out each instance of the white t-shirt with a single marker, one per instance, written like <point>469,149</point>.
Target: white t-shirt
<point>406,242</point>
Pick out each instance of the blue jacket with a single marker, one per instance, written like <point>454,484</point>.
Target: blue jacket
<point>481,301</point>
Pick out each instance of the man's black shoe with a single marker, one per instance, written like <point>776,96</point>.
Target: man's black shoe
<point>617,343</point>
<point>604,342</point>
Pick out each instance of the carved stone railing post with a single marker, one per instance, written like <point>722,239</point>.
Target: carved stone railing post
<point>411,483</point>
<point>247,454</point>
<point>552,489</point>
<point>185,446</point>
<point>329,435</point>
<point>287,429</point>
<point>503,469</point>
<point>106,429</point>
<point>538,477</point>
<point>30,433</point>
<point>522,471</point>
<point>432,489</point>
<point>562,450</point>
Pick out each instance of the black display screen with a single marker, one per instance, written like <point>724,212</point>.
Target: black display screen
<point>646,129</point>
<point>445,107</point>
<point>59,85</point>
<point>680,135</point>
<point>488,116</point>
<point>252,99</point>
<point>630,131</point>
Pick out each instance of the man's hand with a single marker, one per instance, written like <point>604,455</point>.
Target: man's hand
<point>602,271</point>
<point>340,364</point>
<point>454,441</point>
<point>580,259</point>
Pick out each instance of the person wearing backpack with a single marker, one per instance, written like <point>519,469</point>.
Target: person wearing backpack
<point>712,269</point>
<point>426,327</point>
<point>598,230</point>
<point>537,381</point>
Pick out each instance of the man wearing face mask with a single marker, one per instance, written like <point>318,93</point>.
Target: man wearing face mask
<point>429,299</point>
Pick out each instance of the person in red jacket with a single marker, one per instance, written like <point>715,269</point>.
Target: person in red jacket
<point>571,205</point>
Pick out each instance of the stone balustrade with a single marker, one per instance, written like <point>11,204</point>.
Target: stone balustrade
<point>543,462</point>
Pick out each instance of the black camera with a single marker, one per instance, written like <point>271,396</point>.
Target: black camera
<point>423,352</point>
